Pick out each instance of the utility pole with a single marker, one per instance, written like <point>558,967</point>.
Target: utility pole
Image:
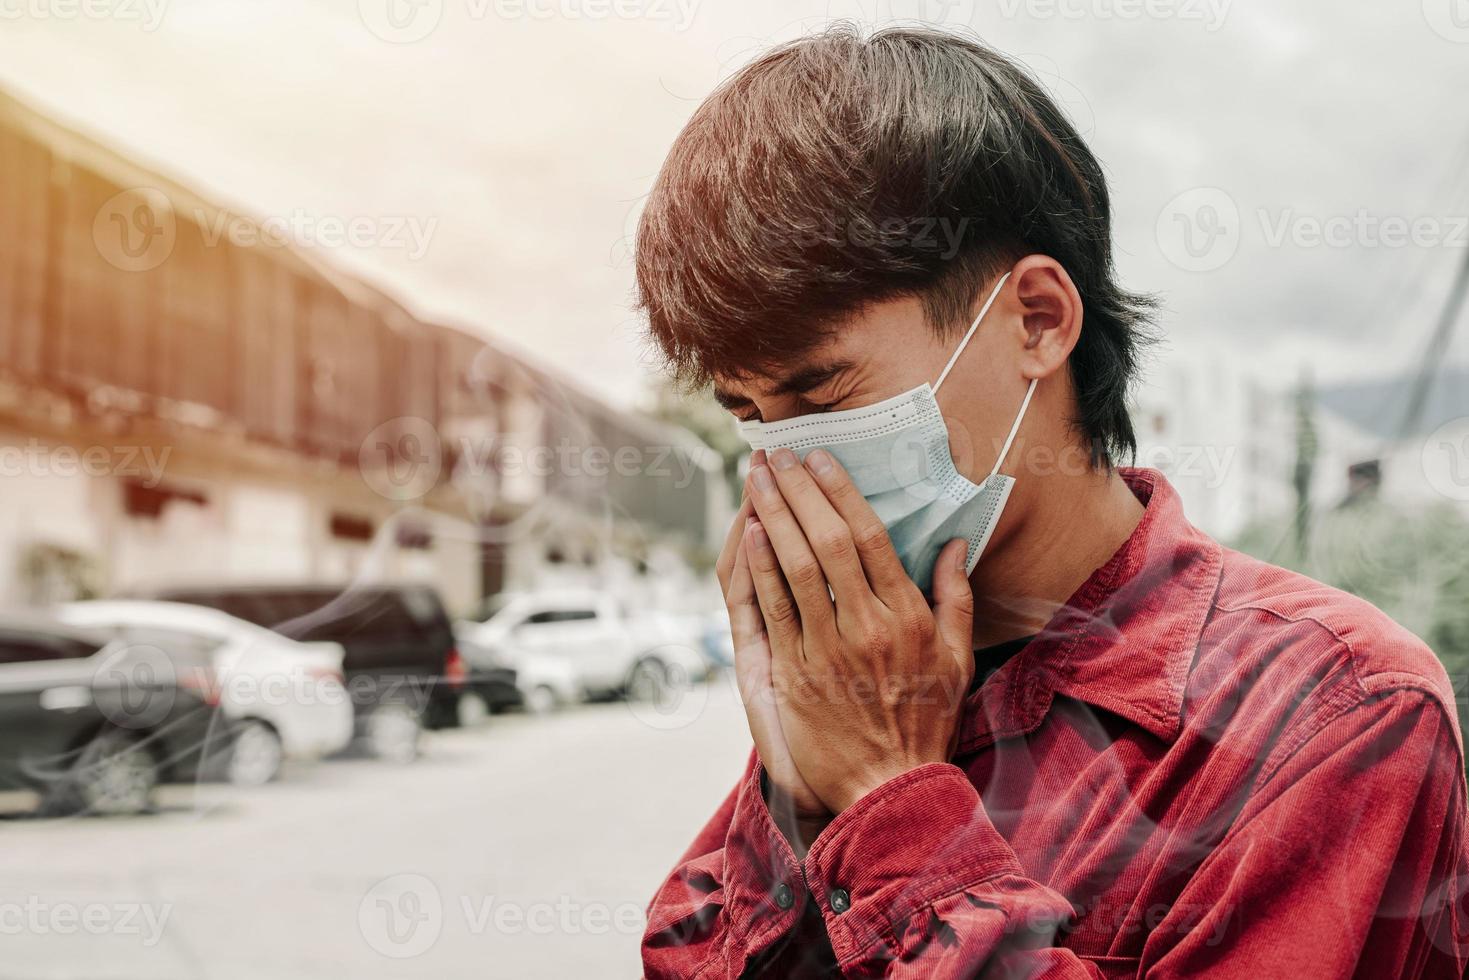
<point>1433,355</point>
<point>1307,447</point>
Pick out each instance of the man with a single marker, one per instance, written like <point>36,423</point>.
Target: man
<point>1012,714</point>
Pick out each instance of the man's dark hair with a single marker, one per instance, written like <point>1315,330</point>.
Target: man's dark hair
<point>838,171</point>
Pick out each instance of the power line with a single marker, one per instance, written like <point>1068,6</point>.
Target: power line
<point>1433,354</point>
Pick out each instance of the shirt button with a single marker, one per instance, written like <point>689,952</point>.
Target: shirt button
<point>784,897</point>
<point>840,900</point>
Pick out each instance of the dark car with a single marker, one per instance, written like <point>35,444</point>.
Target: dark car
<point>93,724</point>
<point>401,665</point>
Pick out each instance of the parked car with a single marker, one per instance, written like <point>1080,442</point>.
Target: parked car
<point>94,724</point>
<point>402,668</point>
<point>656,630</point>
<point>283,698</point>
<point>567,644</point>
<point>546,683</point>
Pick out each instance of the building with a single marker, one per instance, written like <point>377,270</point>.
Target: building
<point>178,404</point>
<point>1228,441</point>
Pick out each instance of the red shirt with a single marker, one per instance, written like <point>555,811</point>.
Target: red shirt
<point>1204,766</point>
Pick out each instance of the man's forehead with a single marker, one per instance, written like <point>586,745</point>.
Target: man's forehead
<point>848,343</point>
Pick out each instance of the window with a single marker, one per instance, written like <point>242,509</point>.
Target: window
<point>23,648</point>
<point>562,616</point>
<point>577,615</point>
<point>139,500</point>
<point>350,527</point>
<point>172,641</point>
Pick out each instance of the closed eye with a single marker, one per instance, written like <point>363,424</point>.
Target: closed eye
<point>747,412</point>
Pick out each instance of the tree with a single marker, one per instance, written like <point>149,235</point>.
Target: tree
<point>700,414</point>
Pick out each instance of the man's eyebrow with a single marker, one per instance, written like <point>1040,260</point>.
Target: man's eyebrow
<point>811,377</point>
<point>797,383</point>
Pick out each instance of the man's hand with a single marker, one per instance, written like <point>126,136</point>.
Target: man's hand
<point>869,680</point>
<point>797,810</point>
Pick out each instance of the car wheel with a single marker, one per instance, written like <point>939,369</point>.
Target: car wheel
<point>114,774</point>
<point>541,700</point>
<point>471,710</point>
<point>255,755</point>
<point>648,681</point>
<point>393,732</point>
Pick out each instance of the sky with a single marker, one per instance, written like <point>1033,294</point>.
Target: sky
<point>1291,177</point>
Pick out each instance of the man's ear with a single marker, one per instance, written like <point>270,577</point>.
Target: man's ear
<point>1051,314</point>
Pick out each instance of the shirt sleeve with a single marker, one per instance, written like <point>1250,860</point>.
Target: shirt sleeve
<point>912,880</point>
<point>736,890</point>
<point>915,881</point>
<point>1349,861</point>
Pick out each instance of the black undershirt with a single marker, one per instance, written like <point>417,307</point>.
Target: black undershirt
<point>989,659</point>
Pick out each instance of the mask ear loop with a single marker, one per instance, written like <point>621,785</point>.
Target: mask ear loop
<point>1020,416</point>
<point>972,327</point>
<point>1014,429</point>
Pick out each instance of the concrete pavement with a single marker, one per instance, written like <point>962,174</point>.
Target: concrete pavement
<point>527,848</point>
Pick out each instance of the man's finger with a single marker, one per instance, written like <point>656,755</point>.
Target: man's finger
<point>953,600</point>
<point>745,622</point>
<point>828,535</point>
<point>884,570</point>
<point>802,572</point>
<point>747,630</point>
<point>777,606</point>
<point>752,663</point>
<point>724,564</point>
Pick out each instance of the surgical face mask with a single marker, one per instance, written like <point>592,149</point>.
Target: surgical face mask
<point>897,454</point>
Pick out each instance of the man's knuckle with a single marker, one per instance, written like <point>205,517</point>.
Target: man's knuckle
<point>806,573</point>
<point>910,601</point>
<point>870,537</point>
<point>873,634</point>
<point>775,506</point>
<point>913,628</point>
<point>765,562</point>
<point>782,611</point>
<point>835,543</point>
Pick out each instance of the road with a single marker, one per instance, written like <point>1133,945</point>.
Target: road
<point>526,848</point>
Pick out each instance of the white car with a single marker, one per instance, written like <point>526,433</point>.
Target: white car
<point>284,699</point>
<point>567,644</point>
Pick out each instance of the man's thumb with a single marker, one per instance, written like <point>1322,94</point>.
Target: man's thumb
<point>953,599</point>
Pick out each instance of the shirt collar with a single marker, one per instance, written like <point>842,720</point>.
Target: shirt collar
<point>1124,642</point>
